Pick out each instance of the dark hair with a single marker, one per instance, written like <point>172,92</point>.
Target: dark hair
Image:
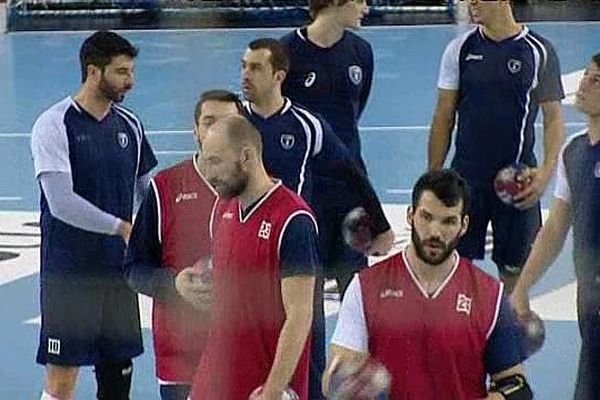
<point>280,60</point>
<point>315,6</point>
<point>216,95</point>
<point>596,59</point>
<point>447,185</point>
<point>100,48</point>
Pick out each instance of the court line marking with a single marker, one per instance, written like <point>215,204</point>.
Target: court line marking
<point>10,198</point>
<point>388,128</point>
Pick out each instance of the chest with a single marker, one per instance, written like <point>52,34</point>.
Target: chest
<point>287,141</point>
<point>493,67</point>
<point>100,149</point>
<point>328,73</point>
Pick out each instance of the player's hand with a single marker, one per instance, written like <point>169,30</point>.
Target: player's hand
<point>538,179</point>
<point>194,289</point>
<point>382,243</point>
<point>124,230</point>
<point>520,303</point>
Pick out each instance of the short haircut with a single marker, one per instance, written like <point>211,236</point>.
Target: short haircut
<point>315,6</point>
<point>596,59</point>
<point>224,96</point>
<point>279,59</point>
<point>240,132</point>
<point>100,48</point>
<point>447,185</point>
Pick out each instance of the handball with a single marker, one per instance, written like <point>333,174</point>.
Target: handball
<point>534,333</point>
<point>289,394</point>
<point>511,180</point>
<point>204,268</point>
<point>371,381</point>
<point>357,230</point>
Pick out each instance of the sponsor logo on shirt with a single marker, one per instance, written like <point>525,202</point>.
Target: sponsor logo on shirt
<point>463,304</point>
<point>475,57</point>
<point>287,141</point>
<point>123,139</point>
<point>264,232</point>
<point>387,293</point>
<point>186,196</point>
<point>355,73</point>
<point>227,215</point>
<point>514,65</point>
<point>310,79</point>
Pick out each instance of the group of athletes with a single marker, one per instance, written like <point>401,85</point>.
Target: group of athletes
<point>234,243</point>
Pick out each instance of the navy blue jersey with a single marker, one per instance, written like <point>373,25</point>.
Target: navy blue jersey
<point>500,86</point>
<point>333,81</point>
<point>294,139</point>
<point>104,159</point>
<point>578,183</point>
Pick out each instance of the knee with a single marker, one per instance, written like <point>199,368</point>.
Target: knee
<point>60,381</point>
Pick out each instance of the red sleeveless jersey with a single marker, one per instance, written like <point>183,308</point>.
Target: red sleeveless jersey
<point>185,202</point>
<point>248,311</point>
<point>434,345</point>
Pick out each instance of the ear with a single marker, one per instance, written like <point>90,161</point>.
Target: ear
<point>280,76</point>
<point>410,213</point>
<point>93,73</point>
<point>465,225</point>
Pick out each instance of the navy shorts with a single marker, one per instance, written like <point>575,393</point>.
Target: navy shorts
<point>514,230</point>
<point>85,321</point>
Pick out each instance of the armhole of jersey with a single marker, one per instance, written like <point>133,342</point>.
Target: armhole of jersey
<point>287,222</point>
<point>154,189</point>
<point>212,218</point>
<point>496,311</point>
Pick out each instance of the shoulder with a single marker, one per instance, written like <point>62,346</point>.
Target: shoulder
<point>456,44</point>
<point>574,142</point>
<point>481,277</point>
<point>291,37</point>
<point>173,171</point>
<point>291,201</point>
<point>358,41</point>
<point>54,114</point>
<point>382,267</point>
<point>128,115</point>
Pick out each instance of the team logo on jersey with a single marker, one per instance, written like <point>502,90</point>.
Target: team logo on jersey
<point>123,139</point>
<point>597,170</point>
<point>287,141</point>
<point>54,346</point>
<point>227,215</point>
<point>513,65</point>
<point>355,73</point>
<point>265,230</point>
<point>186,196</point>
<point>395,293</point>
<point>463,304</point>
<point>310,79</point>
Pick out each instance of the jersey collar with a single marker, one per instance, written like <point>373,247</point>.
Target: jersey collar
<point>244,215</point>
<point>442,285</point>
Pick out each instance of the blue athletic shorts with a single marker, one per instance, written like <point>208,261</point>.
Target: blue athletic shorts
<point>85,321</point>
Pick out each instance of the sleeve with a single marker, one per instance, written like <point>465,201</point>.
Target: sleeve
<point>562,189</point>
<point>327,145</point>
<point>449,67</point>
<point>351,328</point>
<point>147,157</point>
<point>550,86</point>
<point>49,145</point>
<point>141,187</point>
<point>143,263</point>
<point>504,348</point>
<point>366,90</point>
<point>298,249</point>
<point>72,209</point>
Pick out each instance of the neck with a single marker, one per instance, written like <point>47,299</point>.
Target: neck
<point>502,28</point>
<point>594,129</point>
<point>430,276</point>
<point>325,30</point>
<point>269,105</point>
<point>92,102</point>
<point>258,185</point>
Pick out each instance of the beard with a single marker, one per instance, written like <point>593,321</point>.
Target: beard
<point>110,92</point>
<point>446,248</point>
<point>236,186</point>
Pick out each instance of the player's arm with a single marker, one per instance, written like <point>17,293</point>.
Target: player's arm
<point>143,263</point>
<point>332,160</point>
<point>368,80</point>
<point>298,253</point>
<point>504,355</point>
<point>442,124</point>
<point>444,116</point>
<point>349,343</point>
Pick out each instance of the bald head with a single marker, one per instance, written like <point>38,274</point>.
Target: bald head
<point>237,133</point>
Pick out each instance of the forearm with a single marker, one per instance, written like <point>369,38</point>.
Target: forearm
<point>553,140</point>
<point>439,140</point>
<point>290,346</point>
<point>73,209</point>
<point>151,279</point>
